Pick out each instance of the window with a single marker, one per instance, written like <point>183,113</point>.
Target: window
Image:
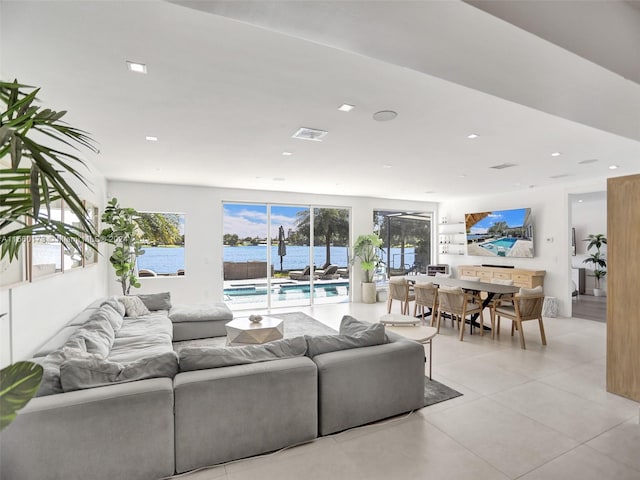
<point>163,244</point>
<point>406,240</point>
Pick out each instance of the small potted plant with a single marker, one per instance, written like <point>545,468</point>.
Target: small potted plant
<point>367,249</point>
<point>597,259</point>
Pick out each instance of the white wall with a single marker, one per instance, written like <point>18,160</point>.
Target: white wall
<point>551,236</point>
<point>203,281</point>
<point>587,217</point>
<point>37,310</point>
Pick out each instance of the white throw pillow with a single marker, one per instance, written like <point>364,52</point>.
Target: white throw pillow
<point>134,307</point>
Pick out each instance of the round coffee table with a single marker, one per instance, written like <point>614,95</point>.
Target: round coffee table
<point>242,331</point>
<point>410,330</point>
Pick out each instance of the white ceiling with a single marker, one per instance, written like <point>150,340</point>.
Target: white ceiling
<point>225,96</point>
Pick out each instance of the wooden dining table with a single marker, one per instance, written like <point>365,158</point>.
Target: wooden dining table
<point>491,289</point>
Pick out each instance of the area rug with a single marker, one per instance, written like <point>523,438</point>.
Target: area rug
<point>436,392</point>
<point>295,324</point>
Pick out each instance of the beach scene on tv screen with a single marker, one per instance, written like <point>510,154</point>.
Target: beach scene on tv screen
<point>500,233</point>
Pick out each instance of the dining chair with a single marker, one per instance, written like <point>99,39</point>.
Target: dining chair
<point>523,306</point>
<point>426,296</point>
<point>457,303</point>
<point>399,290</point>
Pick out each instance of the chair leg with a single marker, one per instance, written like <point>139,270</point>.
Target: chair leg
<point>461,327</point>
<point>437,320</point>
<point>544,338</point>
<point>521,330</point>
<point>415,309</point>
<point>493,323</point>
<point>513,324</point>
<point>389,302</point>
<point>481,323</point>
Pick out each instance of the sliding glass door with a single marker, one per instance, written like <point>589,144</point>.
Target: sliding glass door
<point>284,255</point>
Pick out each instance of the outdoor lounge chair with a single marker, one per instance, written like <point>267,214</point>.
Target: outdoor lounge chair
<point>302,275</point>
<point>330,273</point>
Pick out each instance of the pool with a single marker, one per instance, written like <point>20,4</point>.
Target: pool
<point>500,247</point>
<point>287,291</point>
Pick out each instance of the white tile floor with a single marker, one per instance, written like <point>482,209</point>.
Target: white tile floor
<point>540,413</point>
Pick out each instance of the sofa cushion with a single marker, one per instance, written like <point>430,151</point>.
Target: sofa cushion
<point>51,364</point>
<point>80,373</point>
<point>156,301</point>
<point>530,292</point>
<point>200,313</point>
<point>116,304</point>
<point>98,335</point>
<point>200,358</point>
<point>108,313</point>
<point>56,342</point>
<point>372,335</point>
<point>134,306</point>
<point>82,317</point>
<point>351,326</point>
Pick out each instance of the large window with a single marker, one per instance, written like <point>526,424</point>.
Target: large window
<point>163,244</point>
<point>285,255</point>
<point>406,240</point>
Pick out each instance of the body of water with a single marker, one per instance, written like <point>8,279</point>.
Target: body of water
<point>168,260</point>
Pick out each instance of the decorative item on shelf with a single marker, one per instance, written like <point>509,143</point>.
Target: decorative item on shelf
<point>597,259</point>
<point>255,318</point>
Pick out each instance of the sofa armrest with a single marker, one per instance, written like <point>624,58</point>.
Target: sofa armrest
<point>116,431</point>
<point>233,412</point>
<point>363,385</point>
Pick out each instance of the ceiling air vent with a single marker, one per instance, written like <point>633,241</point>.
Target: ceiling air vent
<point>310,134</point>
<point>585,162</point>
<point>561,175</point>
<point>502,166</point>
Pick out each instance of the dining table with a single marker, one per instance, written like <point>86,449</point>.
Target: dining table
<point>491,289</point>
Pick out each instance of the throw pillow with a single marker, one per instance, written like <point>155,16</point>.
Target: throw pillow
<point>373,335</point>
<point>156,301</point>
<point>80,373</point>
<point>133,306</point>
<point>200,358</point>
<point>351,326</point>
<point>528,292</point>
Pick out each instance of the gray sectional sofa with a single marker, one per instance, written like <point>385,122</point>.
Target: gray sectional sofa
<point>209,406</point>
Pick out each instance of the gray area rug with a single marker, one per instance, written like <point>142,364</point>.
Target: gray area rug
<point>295,324</point>
<point>436,392</point>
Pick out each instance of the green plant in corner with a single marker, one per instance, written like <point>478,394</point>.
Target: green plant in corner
<point>124,233</point>
<point>367,249</point>
<point>42,161</point>
<point>597,258</point>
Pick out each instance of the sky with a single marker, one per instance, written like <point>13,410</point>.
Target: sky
<point>247,220</point>
<point>514,218</point>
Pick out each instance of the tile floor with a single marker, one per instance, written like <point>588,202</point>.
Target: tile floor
<point>540,413</point>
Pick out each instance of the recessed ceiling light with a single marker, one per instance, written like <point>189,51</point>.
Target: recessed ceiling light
<point>473,135</point>
<point>461,176</point>
<point>151,138</point>
<point>345,107</point>
<point>387,166</point>
<point>580,201</point>
<point>556,154</point>
<point>287,154</point>
<point>136,67</point>
<point>613,167</point>
<point>430,191</point>
<point>278,179</point>
<point>384,115</point>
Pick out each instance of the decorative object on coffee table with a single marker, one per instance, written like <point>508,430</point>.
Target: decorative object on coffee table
<point>255,318</point>
<point>242,331</point>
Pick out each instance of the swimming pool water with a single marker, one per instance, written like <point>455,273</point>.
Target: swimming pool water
<point>500,246</point>
<point>257,293</point>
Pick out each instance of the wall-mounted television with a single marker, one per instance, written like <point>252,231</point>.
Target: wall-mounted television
<point>500,233</point>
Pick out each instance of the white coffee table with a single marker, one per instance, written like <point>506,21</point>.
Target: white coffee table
<point>409,327</point>
<point>242,331</point>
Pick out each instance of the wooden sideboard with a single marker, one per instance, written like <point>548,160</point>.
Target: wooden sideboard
<point>520,277</point>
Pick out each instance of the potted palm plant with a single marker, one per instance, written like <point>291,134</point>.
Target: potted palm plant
<point>597,259</point>
<point>367,249</point>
